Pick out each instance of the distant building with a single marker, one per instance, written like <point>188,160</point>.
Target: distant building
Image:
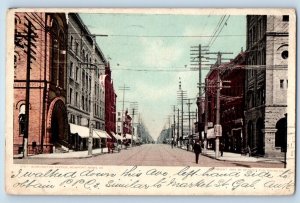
<point>126,129</point>
<point>80,64</point>
<point>47,121</point>
<point>110,103</point>
<point>266,84</point>
<point>119,123</point>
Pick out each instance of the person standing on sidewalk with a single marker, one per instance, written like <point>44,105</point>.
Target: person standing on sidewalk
<point>197,150</point>
<point>222,147</point>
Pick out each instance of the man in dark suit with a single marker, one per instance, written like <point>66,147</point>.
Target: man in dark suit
<point>197,150</point>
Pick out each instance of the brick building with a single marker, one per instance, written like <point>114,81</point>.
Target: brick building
<point>232,104</point>
<point>232,77</point>
<point>47,121</point>
<point>266,83</point>
<point>81,60</point>
<point>110,104</point>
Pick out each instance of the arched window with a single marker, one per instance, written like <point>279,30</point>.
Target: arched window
<point>22,119</point>
<point>250,135</point>
<point>281,134</point>
<point>58,54</point>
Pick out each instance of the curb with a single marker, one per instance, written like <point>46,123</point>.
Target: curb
<point>238,160</point>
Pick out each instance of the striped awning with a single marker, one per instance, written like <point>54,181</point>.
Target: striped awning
<point>83,132</point>
<point>128,136</point>
<point>117,136</point>
<point>101,134</point>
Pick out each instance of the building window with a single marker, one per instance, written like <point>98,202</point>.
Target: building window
<point>287,82</point>
<point>78,120</point>
<point>83,79</point>
<point>86,104</point>
<point>76,73</point>
<point>70,96</point>
<point>76,99</point>
<point>71,70</point>
<point>285,54</point>
<point>285,18</point>
<point>90,81</point>
<point>62,62</point>
<point>22,119</point>
<point>71,43</point>
<point>83,54</point>
<point>82,102</point>
<point>76,48</point>
<point>89,109</point>
<point>281,84</point>
<point>54,52</point>
<point>87,81</point>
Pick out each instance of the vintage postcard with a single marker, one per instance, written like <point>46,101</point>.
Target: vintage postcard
<point>150,101</point>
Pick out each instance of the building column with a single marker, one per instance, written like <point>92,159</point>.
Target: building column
<point>270,150</point>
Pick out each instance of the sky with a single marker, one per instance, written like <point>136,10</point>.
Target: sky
<point>150,53</point>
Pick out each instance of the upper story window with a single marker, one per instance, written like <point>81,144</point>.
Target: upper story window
<point>22,119</point>
<point>281,84</point>
<point>285,54</point>
<point>71,42</point>
<point>71,70</point>
<point>76,48</point>
<point>285,18</point>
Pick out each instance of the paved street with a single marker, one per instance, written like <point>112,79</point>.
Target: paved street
<point>146,155</point>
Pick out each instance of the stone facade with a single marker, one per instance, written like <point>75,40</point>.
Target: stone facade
<point>266,84</point>
<point>48,125</point>
<point>80,64</point>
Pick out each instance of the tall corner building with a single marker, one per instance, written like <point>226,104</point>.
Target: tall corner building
<point>44,87</point>
<point>266,84</point>
<point>84,59</point>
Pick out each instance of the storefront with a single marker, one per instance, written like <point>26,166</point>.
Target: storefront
<point>80,134</point>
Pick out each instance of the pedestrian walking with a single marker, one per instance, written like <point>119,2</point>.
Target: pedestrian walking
<point>221,147</point>
<point>197,150</point>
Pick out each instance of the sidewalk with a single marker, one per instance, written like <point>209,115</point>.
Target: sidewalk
<point>72,154</point>
<point>229,156</point>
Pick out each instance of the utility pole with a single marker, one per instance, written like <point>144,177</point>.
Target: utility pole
<point>174,124</point>
<point>206,114</point>
<point>181,95</point>
<point>132,128</point>
<point>177,140</point>
<point>170,130</point>
<point>91,122</point>
<point>124,88</point>
<point>189,105</point>
<point>197,50</point>
<point>218,127</point>
<point>134,107</point>
<point>31,35</point>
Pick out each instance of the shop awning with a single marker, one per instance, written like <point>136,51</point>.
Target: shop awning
<point>128,136</point>
<point>100,134</point>
<point>82,131</point>
<point>117,136</point>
